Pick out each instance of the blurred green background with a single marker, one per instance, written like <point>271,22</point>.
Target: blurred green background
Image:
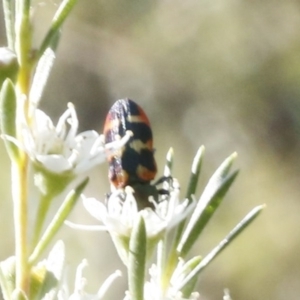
<point>224,74</point>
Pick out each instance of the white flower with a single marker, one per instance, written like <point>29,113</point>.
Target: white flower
<point>59,148</point>
<point>153,290</point>
<point>226,295</point>
<point>80,283</point>
<point>121,211</point>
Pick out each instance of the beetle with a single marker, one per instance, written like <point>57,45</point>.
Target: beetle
<point>134,164</point>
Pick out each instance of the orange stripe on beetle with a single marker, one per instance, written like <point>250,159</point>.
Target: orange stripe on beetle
<point>135,162</point>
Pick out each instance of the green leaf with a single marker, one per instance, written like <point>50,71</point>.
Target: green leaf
<point>191,190</point>
<point>61,14</point>
<point>42,71</point>
<point>208,203</point>
<point>8,10</point>
<point>187,268</point>
<point>192,187</point>
<point>50,185</point>
<point>57,221</point>
<point>8,107</point>
<point>23,34</point>
<point>195,173</point>
<point>137,260</point>
<point>251,216</point>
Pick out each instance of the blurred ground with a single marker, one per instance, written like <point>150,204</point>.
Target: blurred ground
<point>224,74</point>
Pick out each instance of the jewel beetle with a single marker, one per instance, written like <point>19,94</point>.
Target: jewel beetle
<point>134,164</point>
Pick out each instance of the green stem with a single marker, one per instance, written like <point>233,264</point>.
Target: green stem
<point>19,189</point>
<point>23,32</point>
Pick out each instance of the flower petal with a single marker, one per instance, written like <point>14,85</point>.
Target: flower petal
<point>54,163</point>
<point>59,148</point>
<point>95,208</point>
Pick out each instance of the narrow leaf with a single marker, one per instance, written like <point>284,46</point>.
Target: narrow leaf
<point>195,172</point>
<point>210,200</point>
<point>223,244</point>
<point>62,13</point>
<point>191,190</point>
<point>23,33</point>
<point>8,107</point>
<point>137,260</point>
<point>8,10</point>
<point>42,72</point>
<point>192,187</point>
<point>187,268</point>
<point>57,221</point>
